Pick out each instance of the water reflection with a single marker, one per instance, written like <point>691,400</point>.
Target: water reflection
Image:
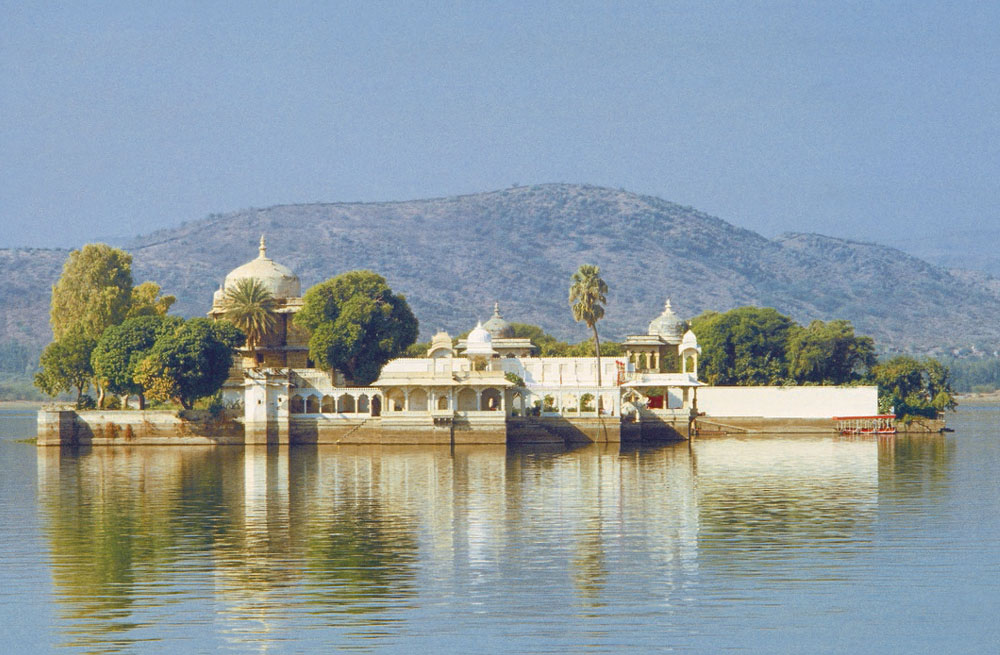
<point>356,547</point>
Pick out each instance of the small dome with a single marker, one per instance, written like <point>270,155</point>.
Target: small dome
<point>440,345</point>
<point>277,279</point>
<point>497,326</point>
<point>689,342</point>
<point>667,325</point>
<point>479,341</point>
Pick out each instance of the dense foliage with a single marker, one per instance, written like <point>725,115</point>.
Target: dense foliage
<point>65,364</point>
<point>93,292</point>
<point>758,345</point>
<point>356,324</point>
<point>249,306</point>
<point>120,350</point>
<point>189,362</point>
<point>828,353</point>
<point>744,346</point>
<point>911,387</point>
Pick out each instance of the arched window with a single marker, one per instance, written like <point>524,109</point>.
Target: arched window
<point>363,404</point>
<point>569,403</point>
<point>296,405</point>
<point>376,405</point>
<point>345,404</point>
<point>312,405</point>
<point>490,401</point>
<point>442,402</point>
<point>396,400</point>
<point>329,405</point>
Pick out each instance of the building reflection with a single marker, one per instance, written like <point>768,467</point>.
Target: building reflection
<point>353,539</point>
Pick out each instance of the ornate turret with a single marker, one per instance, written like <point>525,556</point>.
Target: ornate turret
<point>667,325</point>
<point>497,326</point>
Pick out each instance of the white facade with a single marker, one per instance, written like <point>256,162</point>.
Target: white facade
<point>788,402</point>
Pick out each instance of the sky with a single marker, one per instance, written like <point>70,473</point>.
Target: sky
<point>869,121</point>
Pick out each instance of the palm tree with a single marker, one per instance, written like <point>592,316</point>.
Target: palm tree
<point>586,297</point>
<point>251,308</point>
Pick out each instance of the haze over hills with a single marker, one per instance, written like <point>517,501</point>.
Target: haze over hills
<point>453,257</point>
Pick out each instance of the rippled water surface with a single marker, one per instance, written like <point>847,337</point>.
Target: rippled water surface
<point>762,544</point>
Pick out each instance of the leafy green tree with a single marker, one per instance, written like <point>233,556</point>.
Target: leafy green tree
<point>250,306</point>
<point>65,364</point>
<point>148,301</point>
<point>93,292</point>
<point>587,298</point>
<point>189,362</point>
<point>120,350</point>
<point>744,346</point>
<point>829,353</point>
<point>357,324</point>
<point>912,387</point>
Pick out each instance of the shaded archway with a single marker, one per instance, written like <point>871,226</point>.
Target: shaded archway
<point>345,404</point>
<point>312,405</point>
<point>296,405</point>
<point>329,405</point>
<point>490,400</point>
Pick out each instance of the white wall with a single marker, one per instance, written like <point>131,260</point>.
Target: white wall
<point>556,371</point>
<point>788,402</point>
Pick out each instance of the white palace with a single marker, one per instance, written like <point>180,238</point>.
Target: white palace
<point>471,391</point>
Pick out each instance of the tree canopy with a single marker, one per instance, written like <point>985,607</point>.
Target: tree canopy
<point>911,387</point>
<point>250,306</point>
<point>93,292</point>
<point>357,324</point>
<point>147,300</point>
<point>65,364</point>
<point>121,348</point>
<point>744,346</point>
<point>829,353</point>
<point>189,362</point>
<point>587,298</point>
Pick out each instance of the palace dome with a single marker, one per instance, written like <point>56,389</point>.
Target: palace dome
<point>497,326</point>
<point>479,341</point>
<point>277,279</point>
<point>667,325</point>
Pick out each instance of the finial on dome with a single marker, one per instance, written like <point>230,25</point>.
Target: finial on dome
<point>263,247</point>
<point>666,305</point>
<point>496,308</point>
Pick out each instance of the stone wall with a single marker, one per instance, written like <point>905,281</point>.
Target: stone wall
<point>124,427</point>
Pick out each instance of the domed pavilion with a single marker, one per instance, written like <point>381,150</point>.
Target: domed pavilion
<point>655,350</point>
<point>287,346</point>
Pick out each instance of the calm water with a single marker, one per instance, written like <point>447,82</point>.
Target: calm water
<point>770,544</point>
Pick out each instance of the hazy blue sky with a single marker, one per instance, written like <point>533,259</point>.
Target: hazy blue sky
<point>862,120</point>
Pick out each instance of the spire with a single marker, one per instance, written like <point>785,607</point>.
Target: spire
<point>496,309</point>
<point>263,248</point>
<point>666,306</point>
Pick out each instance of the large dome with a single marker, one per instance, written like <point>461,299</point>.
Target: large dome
<point>667,325</point>
<point>277,279</point>
<point>497,326</point>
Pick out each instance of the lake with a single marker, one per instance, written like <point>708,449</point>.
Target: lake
<point>753,544</point>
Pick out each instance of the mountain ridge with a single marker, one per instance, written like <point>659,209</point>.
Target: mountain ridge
<point>454,256</point>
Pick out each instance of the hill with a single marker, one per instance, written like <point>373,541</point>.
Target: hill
<point>453,257</point>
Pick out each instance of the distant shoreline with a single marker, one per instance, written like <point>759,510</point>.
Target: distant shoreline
<point>978,398</point>
<point>22,404</point>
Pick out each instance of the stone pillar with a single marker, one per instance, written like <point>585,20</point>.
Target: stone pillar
<point>56,427</point>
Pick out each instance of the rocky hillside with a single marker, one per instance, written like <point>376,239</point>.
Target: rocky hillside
<point>453,257</point>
